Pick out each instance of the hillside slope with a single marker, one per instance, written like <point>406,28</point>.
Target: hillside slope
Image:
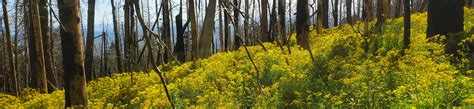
<point>349,70</point>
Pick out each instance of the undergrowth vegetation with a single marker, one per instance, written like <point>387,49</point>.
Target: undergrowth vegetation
<point>350,69</point>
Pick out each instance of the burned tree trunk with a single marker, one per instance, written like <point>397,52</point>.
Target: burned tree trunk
<point>444,17</point>
<point>237,43</point>
<point>302,20</point>
<point>281,13</point>
<point>349,11</point>
<point>263,21</point>
<point>89,62</point>
<point>73,62</point>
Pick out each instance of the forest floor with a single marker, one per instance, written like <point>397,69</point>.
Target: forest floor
<point>349,69</point>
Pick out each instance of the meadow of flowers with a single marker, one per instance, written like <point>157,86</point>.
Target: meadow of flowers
<point>351,69</point>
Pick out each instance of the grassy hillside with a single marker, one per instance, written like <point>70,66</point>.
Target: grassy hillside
<point>349,70</point>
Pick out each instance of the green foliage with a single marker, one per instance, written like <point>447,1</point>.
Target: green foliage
<point>350,69</point>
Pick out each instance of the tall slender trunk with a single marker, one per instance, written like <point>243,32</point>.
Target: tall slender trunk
<point>32,82</point>
<point>166,35</point>
<point>27,45</point>
<point>127,49</point>
<point>380,15</point>
<point>3,72</point>
<point>263,21</point>
<point>406,25</point>
<point>319,26</point>
<point>207,30</point>
<point>48,56</point>
<point>247,22</point>
<point>349,11</point>
<point>289,15</point>
<point>133,40</point>
<point>237,43</point>
<point>104,54</point>
<point>325,13</point>
<point>117,37</point>
<point>367,15</point>
<point>221,28</point>
<point>194,31</point>
<point>16,42</point>
<point>335,12</point>
<point>11,60</point>
<point>273,22</point>
<point>281,13</point>
<point>39,62</point>
<point>226,25</point>
<point>89,62</point>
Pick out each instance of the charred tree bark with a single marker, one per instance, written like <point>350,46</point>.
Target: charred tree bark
<point>325,13</point>
<point>179,50</point>
<point>237,43</point>
<point>302,30</point>
<point>349,12</point>
<point>89,62</point>
<point>302,20</point>
<point>263,21</point>
<point>444,17</point>
<point>166,35</point>
<point>105,66</point>
<point>127,48</point>
<point>273,22</point>
<point>73,62</point>
<point>281,13</point>
<point>406,25</point>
